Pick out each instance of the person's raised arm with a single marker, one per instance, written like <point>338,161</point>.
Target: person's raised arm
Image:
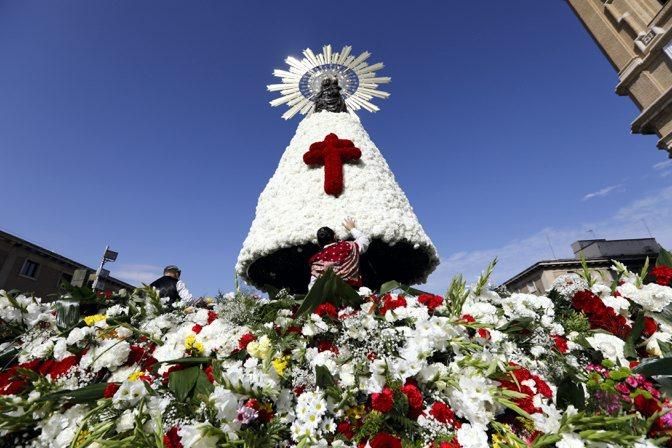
<point>360,237</point>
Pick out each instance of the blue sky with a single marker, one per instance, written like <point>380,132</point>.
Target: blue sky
<point>146,125</point>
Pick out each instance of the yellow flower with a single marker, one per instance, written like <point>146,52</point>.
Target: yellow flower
<point>280,364</point>
<point>135,375</point>
<point>191,344</point>
<point>92,319</point>
<point>261,348</point>
<point>356,412</point>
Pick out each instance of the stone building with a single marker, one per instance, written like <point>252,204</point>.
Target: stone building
<point>27,267</point>
<point>598,253</point>
<point>636,36</point>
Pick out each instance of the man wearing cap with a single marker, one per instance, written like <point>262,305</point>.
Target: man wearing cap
<point>171,286</point>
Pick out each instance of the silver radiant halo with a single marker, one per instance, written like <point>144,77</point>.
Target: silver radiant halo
<point>301,83</point>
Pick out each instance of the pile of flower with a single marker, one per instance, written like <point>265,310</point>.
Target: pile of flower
<point>582,366</point>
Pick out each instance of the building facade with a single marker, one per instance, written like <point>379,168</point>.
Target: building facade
<point>598,253</point>
<point>29,268</point>
<point>636,36</point>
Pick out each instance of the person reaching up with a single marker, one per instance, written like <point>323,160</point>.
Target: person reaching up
<point>341,256</point>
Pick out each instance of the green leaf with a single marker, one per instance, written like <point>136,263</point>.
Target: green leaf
<point>182,382</point>
<point>516,325</point>
<point>86,394</point>
<point>184,361</point>
<point>637,328</point>
<point>393,284</point>
<point>570,392</point>
<point>664,258</point>
<point>662,366</point>
<point>324,378</point>
<point>203,386</point>
<point>329,287</point>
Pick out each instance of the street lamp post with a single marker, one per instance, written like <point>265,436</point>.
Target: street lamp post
<point>108,256</point>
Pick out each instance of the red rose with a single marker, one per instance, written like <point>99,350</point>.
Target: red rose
<point>650,327</point>
<point>245,339</point>
<point>383,401</point>
<point>326,309</point>
<point>442,413</point>
<point>345,429</point>
<point>561,344</point>
<point>483,333</point>
<point>385,440</point>
<point>431,301</point>
<point>646,406</point>
<point>172,439</point>
<point>212,316</point>
<point>110,390</point>
<point>414,397</point>
<point>196,328</point>
<point>662,274</point>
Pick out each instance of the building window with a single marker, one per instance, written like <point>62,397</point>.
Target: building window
<point>65,278</point>
<point>29,269</point>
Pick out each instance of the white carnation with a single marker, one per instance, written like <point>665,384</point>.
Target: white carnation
<point>610,346</point>
<point>472,436</point>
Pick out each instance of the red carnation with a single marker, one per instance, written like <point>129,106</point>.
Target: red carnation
<point>431,301</point>
<point>212,316</point>
<point>662,274</point>
<point>560,344</point>
<point>196,328</point>
<point>245,339</point>
<point>110,390</point>
<point>345,429</point>
<point>60,368</point>
<point>326,309</point>
<point>172,439</point>
<point>414,397</point>
<point>385,440</point>
<point>650,327</point>
<point>324,346</point>
<point>442,413</point>
<point>209,372</point>
<point>452,444</point>
<point>468,318</point>
<point>383,401</point>
<point>392,303</point>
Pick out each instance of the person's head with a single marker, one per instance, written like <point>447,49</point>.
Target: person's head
<point>172,271</point>
<point>325,236</point>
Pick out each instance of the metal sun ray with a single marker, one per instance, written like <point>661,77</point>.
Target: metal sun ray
<point>301,82</point>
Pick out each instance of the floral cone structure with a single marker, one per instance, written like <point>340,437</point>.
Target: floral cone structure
<point>306,194</point>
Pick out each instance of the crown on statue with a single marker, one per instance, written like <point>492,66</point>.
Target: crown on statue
<point>328,81</point>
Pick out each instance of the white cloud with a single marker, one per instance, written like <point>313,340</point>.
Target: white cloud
<point>600,193</point>
<point>516,255</point>
<point>664,168</point>
<point>137,273</point>
<point>663,165</point>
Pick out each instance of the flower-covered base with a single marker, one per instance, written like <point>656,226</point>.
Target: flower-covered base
<point>476,368</point>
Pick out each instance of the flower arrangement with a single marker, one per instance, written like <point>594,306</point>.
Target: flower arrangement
<point>585,365</point>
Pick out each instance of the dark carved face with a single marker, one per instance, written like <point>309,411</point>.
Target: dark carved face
<point>330,97</point>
